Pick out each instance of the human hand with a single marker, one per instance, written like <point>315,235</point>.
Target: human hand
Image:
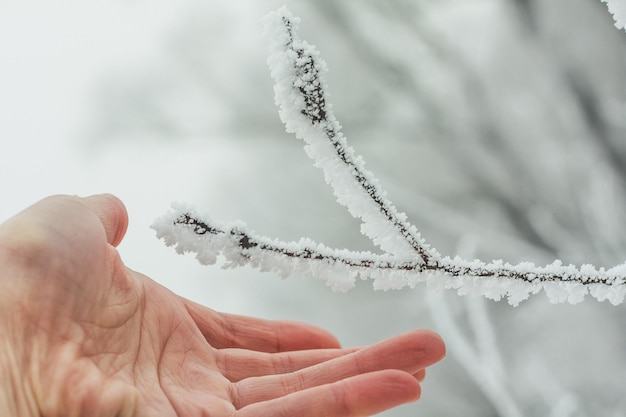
<point>83,335</point>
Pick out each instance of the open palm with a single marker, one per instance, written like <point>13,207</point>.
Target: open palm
<point>97,339</point>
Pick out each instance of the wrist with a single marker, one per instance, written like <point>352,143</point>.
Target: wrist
<point>16,398</point>
<point>16,394</point>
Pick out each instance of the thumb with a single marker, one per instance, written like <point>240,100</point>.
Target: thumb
<point>112,214</point>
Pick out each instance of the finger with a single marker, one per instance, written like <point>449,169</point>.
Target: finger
<point>238,364</point>
<point>233,331</point>
<point>420,375</point>
<point>409,352</point>
<point>112,213</point>
<point>362,395</point>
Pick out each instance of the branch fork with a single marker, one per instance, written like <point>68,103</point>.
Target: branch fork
<point>407,259</point>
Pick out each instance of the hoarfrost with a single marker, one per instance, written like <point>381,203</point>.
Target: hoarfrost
<point>302,97</point>
<point>618,9</point>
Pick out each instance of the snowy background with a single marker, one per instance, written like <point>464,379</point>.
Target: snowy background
<point>497,125</point>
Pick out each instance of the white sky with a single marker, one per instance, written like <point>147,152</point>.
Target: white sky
<point>53,55</point>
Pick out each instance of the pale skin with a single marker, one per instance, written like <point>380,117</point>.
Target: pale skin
<point>83,335</point>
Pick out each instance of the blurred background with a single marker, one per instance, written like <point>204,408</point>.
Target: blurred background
<point>498,126</point>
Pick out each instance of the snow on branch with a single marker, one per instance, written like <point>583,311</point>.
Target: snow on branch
<point>617,8</point>
<point>301,93</point>
<point>302,96</point>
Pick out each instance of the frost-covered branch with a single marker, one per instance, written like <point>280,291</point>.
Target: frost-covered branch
<point>191,232</point>
<point>618,9</point>
<point>301,94</point>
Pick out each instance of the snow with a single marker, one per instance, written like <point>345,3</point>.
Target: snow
<point>297,68</point>
<point>618,9</point>
<point>302,97</point>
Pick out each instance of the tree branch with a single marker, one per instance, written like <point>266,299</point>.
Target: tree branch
<point>305,110</point>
